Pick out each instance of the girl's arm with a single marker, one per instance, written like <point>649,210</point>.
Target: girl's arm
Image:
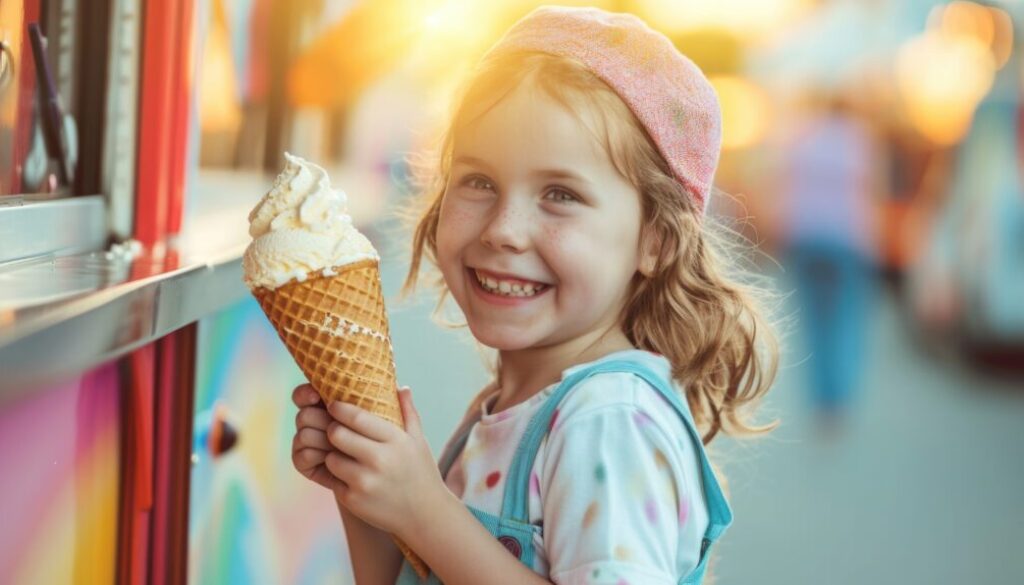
<point>375,558</point>
<point>461,551</point>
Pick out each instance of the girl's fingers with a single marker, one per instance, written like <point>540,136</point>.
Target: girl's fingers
<point>410,415</point>
<point>314,438</point>
<point>362,421</point>
<point>312,464</point>
<point>307,459</point>
<point>351,443</point>
<point>305,395</point>
<point>341,466</point>
<point>312,417</point>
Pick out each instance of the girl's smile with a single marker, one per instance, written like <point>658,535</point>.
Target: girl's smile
<point>504,294</point>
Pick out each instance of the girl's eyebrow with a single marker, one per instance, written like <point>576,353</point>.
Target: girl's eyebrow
<point>473,161</point>
<point>546,173</point>
<point>561,174</point>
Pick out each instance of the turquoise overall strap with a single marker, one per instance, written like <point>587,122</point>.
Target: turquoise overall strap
<point>516,500</point>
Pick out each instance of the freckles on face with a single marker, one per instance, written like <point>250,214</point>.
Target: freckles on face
<point>451,216</point>
<point>554,236</point>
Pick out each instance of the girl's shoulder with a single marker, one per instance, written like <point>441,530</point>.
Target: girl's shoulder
<point>625,393</point>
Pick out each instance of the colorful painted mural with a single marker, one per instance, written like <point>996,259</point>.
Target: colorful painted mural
<point>60,456</point>
<point>253,518</point>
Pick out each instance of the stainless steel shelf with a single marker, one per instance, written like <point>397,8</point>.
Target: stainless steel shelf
<point>53,340</point>
<point>63,311</point>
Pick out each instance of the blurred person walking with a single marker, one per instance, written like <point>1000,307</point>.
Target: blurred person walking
<point>826,231</point>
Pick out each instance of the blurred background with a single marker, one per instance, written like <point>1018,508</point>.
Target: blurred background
<point>871,153</point>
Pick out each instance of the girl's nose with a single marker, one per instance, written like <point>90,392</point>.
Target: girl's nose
<point>507,230</point>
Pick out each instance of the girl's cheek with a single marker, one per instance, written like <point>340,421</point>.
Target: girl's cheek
<point>563,243</point>
<point>455,216</point>
<point>554,237</point>
<point>566,253</point>
<point>455,231</point>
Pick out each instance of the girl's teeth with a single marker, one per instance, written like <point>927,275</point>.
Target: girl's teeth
<point>508,289</point>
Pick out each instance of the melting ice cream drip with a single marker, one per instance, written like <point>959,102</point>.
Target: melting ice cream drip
<point>340,327</point>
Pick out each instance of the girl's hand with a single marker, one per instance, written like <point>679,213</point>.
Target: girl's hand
<point>310,445</point>
<point>387,475</point>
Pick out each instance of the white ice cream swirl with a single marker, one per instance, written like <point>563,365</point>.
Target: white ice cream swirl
<point>301,227</point>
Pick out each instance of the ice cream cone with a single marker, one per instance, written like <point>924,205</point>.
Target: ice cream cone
<point>318,280</point>
<point>336,329</point>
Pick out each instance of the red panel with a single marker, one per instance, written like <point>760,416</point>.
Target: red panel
<point>181,98</point>
<point>168,534</point>
<point>165,429</point>
<point>137,468</point>
<point>156,109</point>
<point>142,425</point>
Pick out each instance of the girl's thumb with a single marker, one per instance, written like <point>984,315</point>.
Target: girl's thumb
<point>409,414</point>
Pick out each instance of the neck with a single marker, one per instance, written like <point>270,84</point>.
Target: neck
<point>524,372</point>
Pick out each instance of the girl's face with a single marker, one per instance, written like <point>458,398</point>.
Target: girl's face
<point>534,202</point>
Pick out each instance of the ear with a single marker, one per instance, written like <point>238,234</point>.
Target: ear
<point>650,250</point>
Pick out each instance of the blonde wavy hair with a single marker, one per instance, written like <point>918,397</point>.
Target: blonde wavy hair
<point>711,327</point>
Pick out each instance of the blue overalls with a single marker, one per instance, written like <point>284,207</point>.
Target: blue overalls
<point>512,528</point>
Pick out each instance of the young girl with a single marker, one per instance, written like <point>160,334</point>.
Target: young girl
<point>567,223</point>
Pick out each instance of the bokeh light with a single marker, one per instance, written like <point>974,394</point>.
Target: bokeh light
<point>942,77</point>
<point>752,18</point>
<point>746,111</point>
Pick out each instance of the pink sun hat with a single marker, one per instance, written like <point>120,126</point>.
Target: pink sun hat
<point>667,92</point>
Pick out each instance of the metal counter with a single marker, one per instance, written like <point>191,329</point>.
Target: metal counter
<point>66,310</point>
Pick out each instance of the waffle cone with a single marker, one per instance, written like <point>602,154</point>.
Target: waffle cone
<point>336,329</point>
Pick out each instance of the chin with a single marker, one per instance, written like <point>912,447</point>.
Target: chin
<point>502,340</point>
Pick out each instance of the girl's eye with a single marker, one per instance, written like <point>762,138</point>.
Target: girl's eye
<point>563,196</point>
<point>475,182</point>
